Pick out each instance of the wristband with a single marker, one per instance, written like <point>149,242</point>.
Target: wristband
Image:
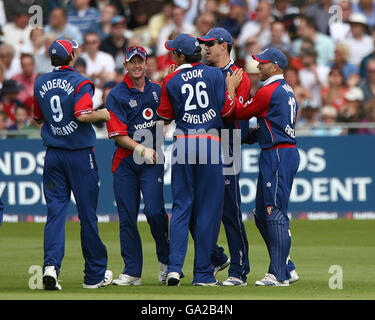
<point>143,152</point>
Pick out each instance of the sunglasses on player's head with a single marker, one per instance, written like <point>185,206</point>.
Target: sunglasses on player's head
<point>212,43</point>
<point>136,48</point>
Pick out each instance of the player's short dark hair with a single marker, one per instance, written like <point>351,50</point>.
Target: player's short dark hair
<point>56,61</point>
<point>195,57</point>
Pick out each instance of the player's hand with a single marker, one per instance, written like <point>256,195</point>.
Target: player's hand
<point>104,114</point>
<point>233,81</point>
<point>150,155</point>
<point>172,68</point>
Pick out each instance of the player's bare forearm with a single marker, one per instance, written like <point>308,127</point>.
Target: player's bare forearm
<point>126,142</point>
<point>97,115</point>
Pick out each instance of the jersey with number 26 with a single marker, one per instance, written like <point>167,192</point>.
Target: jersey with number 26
<point>60,97</point>
<point>276,108</point>
<point>196,96</point>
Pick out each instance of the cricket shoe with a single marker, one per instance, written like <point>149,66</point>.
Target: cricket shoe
<point>126,280</point>
<point>270,280</point>
<point>173,279</point>
<point>233,281</point>
<point>108,276</point>
<point>50,281</point>
<point>221,267</point>
<point>208,284</point>
<point>293,276</point>
<point>162,277</point>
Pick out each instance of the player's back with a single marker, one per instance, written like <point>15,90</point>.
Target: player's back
<point>197,94</point>
<point>56,94</point>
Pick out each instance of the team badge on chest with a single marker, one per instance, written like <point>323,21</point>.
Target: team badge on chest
<point>133,103</point>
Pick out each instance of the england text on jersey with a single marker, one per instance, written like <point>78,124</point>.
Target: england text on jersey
<point>199,118</point>
<point>65,130</point>
<point>56,83</point>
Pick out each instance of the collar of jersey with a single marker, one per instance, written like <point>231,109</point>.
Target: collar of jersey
<point>186,66</point>
<point>231,62</point>
<point>273,79</point>
<point>129,82</point>
<point>65,68</point>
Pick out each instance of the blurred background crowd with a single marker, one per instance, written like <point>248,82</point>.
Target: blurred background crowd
<point>330,45</point>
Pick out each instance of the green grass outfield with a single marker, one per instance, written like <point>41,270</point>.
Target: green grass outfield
<point>316,246</point>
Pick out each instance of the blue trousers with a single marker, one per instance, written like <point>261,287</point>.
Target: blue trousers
<point>66,171</point>
<point>129,180</point>
<point>277,168</point>
<point>197,191</point>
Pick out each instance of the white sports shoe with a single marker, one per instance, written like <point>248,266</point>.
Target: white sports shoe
<point>126,280</point>
<point>222,267</point>
<point>233,281</point>
<point>270,280</point>
<point>162,277</point>
<point>173,279</point>
<point>50,281</point>
<point>108,276</point>
<point>293,276</point>
<point>208,284</point>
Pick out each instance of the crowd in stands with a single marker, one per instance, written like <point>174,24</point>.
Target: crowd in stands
<point>330,46</point>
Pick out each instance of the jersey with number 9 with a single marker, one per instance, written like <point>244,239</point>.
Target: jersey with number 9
<point>60,97</point>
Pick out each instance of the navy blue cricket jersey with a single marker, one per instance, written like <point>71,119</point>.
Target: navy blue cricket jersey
<point>60,97</point>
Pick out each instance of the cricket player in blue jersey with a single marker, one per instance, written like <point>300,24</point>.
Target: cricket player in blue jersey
<point>132,105</point>
<point>195,96</point>
<point>275,107</point>
<point>218,43</point>
<point>63,103</point>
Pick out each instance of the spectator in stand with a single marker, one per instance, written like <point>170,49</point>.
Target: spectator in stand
<point>367,8</point>
<point>349,71</point>
<point>42,58</point>
<point>323,44</point>
<point>359,42</point>
<point>52,4</point>
<point>236,18</point>
<point>36,44</point>
<point>352,110</point>
<point>363,66</point>
<point>260,27</point>
<point>178,25</point>
<point>369,117</point>
<point>108,12</point>
<point>152,69</point>
<point>116,43</point>
<point>327,117</point>
<point>8,62</point>
<point>321,12</point>
<point>99,126</point>
<point>252,46</point>
<point>17,33</point>
<point>84,16</point>
<point>334,93</point>
<point>26,79</point>
<point>100,65</point>
<point>8,98</point>
<point>279,38</point>
<point>307,117</point>
<point>167,59</point>
<point>339,29</point>
<point>368,85</point>
<point>21,118</point>
<point>4,119</point>
<point>11,7</point>
<point>204,23</point>
<point>58,24</point>
<point>291,76</point>
<point>286,13</point>
<point>313,76</point>
<point>158,21</point>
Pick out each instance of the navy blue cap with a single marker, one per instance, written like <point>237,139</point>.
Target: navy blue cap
<point>273,55</point>
<point>62,47</point>
<point>219,34</point>
<point>183,43</point>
